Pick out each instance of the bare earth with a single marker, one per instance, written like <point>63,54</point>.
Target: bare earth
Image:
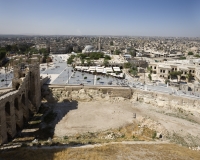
<point>97,116</point>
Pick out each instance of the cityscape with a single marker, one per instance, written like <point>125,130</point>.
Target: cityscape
<point>101,85</point>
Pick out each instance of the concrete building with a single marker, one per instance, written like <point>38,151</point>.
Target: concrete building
<point>163,69</point>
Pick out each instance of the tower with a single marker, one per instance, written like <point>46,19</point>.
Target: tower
<point>99,44</point>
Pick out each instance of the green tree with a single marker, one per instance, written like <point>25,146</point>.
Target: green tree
<point>117,52</point>
<point>149,69</point>
<point>105,62</point>
<point>133,53</point>
<point>190,53</point>
<point>182,58</point>
<point>107,57</point>
<point>134,72</point>
<point>2,53</point>
<point>197,55</point>
<point>189,77</point>
<point>127,65</point>
<point>89,62</point>
<point>149,76</point>
<point>70,59</point>
<point>175,74</point>
<point>111,43</point>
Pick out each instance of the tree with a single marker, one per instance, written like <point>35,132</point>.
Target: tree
<point>189,77</point>
<point>105,62</point>
<point>117,52</point>
<point>82,61</point>
<point>175,74</point>
<point>2,53</point>
<point>133,53</point>
<point>89,62</point>
<point>149,76</point>
<point>181,58</point>
<point>190,53</point>
<point>167,81</point>
<point>70,59</point>
<point>127,65</point>
<point>197,55</point>
<point>149,69</point>
<point>107,57</point>
<point>135,72</point>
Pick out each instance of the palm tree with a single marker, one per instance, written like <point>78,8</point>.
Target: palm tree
<point>189,77</point>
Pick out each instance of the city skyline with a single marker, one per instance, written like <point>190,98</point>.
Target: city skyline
<point>179,18</point>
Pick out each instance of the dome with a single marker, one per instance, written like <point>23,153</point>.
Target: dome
<point>88,48</point>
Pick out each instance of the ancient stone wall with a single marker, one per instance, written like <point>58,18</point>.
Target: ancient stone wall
<point>86,93</point>
<point>20,103</point>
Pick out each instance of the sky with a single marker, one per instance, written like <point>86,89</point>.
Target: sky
<point>169,18</point>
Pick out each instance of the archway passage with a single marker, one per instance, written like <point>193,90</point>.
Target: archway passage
<point>16,104</point>
<point>7,108</point>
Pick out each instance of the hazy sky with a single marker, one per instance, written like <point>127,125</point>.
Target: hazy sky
<point>101,17</point>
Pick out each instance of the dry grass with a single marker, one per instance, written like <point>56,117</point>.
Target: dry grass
<point>105,152</point>
<point>126,133</point>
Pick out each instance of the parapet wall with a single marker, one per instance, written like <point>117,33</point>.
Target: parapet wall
<point>80,93</point>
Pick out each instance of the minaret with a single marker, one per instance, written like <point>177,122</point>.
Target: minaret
<point>99,45</point>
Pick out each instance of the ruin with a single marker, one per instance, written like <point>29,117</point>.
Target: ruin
<point>22,101</point>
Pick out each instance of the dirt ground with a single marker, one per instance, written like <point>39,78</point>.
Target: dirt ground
<point>94,116</point>
<point>99,116</point>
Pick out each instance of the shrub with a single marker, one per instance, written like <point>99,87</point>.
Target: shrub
<point>154,135</point>
<point>190,53</point>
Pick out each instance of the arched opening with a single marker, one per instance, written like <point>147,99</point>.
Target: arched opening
<point>16,104</point>
<point>25,120</point>
<point>18,128</point>
<point>7,108</point>
<point>9,137</point>
<point>29,95</point>
<point>183,78</point>
<point>17,86</point>
<point>23,99</point>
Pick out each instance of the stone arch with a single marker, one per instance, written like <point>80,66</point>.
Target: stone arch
<point>7,108</point>
<point>17,86</point>
<point>16,104</point>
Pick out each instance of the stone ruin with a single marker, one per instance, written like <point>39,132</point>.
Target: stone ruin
<point>21,102</point>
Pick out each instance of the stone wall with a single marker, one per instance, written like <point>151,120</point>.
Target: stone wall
<point>80,93</point>
<point>21,102</point>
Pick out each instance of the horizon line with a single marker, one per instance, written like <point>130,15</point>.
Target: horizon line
<point>96,35</point>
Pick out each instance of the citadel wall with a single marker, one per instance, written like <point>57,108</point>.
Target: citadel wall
<point>86,93</point>
<point>21,102</point>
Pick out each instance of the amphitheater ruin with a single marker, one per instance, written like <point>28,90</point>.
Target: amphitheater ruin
<point>21,101</point>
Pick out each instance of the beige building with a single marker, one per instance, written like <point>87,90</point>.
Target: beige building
<point>163,69</point>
